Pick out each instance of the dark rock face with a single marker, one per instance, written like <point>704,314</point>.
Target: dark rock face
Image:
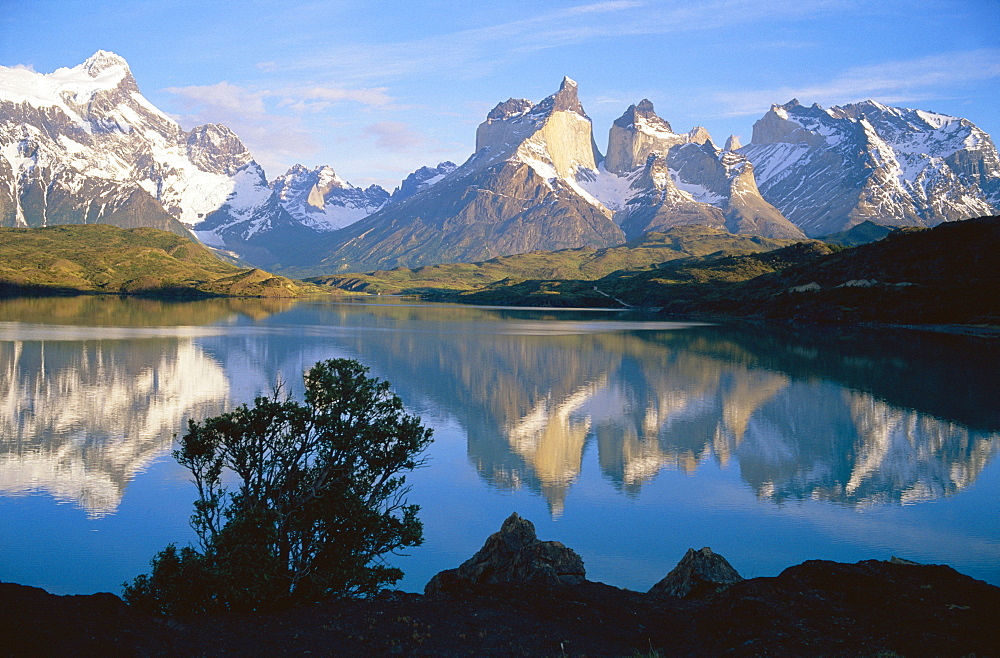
<point>511,107</point>
<point>642,110</point>
<point>514,555</point>
<point>698,573</point>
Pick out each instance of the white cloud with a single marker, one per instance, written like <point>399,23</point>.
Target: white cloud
<point>220,97</point>
<point>273,139</point>
<point>373,96</point>
<point>891,82</point>
<point>272,122</point>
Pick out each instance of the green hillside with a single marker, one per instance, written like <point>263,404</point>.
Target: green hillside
<point>945,275</point>
<point>583,264</point>
<point>98,258</point>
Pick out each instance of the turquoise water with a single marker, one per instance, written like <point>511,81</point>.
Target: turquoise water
<point>628,438</point>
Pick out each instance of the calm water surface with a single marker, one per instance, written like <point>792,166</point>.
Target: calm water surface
<point>627,438</point>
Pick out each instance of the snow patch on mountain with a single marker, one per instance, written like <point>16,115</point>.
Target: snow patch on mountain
<point>611,190</point>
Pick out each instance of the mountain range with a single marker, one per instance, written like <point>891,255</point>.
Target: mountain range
<point>82,145</point>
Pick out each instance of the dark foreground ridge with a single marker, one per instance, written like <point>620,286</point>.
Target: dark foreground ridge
<point>522,596</point>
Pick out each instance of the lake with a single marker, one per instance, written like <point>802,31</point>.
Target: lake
<point>626,437</point>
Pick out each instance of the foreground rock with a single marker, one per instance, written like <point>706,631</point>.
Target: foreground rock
<point>697,574</point>
<point>522,596</point>
<point>514,555</point>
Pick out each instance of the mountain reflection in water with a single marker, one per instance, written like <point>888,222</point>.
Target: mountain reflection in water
<point>806,416</point>
<point>79,419</point>
<point>784,408</point>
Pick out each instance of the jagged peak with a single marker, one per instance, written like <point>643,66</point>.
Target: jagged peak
<point>512,107</point>
<point>296,169</point>
<point>699,135</point>
<point>103,60</point>
<point>733,143</point>
<point>564,100</point>
<point>213,129</point>
<point>642,111</point>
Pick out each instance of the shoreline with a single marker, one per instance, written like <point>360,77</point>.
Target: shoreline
<point>817,607</point>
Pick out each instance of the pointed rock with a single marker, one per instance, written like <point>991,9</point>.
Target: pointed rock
<point>699,135</point>
<point>733,143</point>
<point>514,555</point>
<point>566,99</point>
<point>698,573</point>
<point>635,135</point>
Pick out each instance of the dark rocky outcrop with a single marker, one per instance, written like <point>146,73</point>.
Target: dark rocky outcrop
<point>697,574</point>
<point>870,608</point>
<point>514,555</point>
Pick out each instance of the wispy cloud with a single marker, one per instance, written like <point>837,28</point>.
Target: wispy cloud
<point>222,96</point>
<point>271,122</point>
<point>892,82</point>
<point>273,139</point>
<point>371,96</point>
<point>478,51</point>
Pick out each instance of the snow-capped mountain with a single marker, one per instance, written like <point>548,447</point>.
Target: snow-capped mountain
<point>666,179</point>
<point>295,209</point>
<point>82,145</point>
<point>830,169</point>
<point>421,179</point>
<point>520,191</point>
<point>537,181</point>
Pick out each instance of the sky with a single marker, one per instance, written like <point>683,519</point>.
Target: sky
<point>379,88</point>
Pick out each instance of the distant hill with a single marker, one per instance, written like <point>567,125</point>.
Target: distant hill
<point>99,258</point>
<point>945,275</point>
<point>583,264</point>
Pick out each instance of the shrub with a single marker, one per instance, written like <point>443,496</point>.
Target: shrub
<point>296,502</point>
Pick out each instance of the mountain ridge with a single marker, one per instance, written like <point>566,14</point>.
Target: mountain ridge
<point>82,145</point>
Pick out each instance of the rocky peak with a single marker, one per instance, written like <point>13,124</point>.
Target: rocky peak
<point>215,148</point>
<point>781,124</point>
<point>107,66</point>
<point>733,143</point>
<point>514,555</point>
<point>512,107</point>
<point>295,171</point>
<point>698,573</point>
<point>699,135</point>
<point>635,135</point>
<point>642,115</point>
<point>555,134</point>
<point>421,179</point>
<point>564,100</point>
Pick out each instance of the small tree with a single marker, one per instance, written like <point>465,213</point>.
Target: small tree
<point>295,502</point>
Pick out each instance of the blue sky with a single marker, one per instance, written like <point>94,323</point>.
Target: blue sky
<point>377,88</point>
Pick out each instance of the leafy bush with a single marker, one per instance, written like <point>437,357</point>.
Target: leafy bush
<point>296,502</point>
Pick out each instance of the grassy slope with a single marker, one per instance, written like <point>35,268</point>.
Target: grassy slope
<point>107,259</point>
<point>944,275</point>
<point>585,264</point>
